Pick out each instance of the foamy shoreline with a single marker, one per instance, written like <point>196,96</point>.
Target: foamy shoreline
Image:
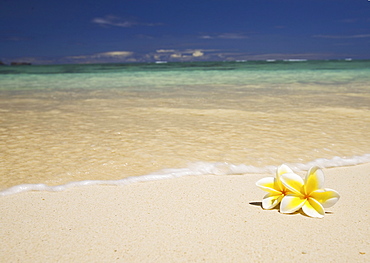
<point>194,169</point>
<point>187,219</point>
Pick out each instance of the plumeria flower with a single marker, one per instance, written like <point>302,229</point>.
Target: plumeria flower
<point>308,194</point>
<point>275,188</point>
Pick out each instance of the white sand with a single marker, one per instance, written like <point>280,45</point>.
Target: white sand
<point>189,219</point>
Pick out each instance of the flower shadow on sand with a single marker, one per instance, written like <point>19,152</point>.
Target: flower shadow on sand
<point>278,209</point>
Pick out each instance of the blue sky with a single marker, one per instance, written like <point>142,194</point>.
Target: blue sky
<point>72,31</point>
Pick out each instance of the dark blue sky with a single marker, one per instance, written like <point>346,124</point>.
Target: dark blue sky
<point>72,31</point>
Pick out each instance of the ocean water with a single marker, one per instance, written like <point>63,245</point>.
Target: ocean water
<point>68,125</point>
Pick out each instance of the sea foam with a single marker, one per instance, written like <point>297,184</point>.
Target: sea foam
<point>194,169</point>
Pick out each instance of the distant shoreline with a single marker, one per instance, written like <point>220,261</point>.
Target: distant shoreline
<point>16,63</point>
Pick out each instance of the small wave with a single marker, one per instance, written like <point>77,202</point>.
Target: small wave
<point>194,169</point>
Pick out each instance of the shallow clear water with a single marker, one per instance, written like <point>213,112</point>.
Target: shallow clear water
<point>65,123</point>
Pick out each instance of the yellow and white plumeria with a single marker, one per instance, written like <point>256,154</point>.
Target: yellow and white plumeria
<point>275,188</point>
<point>297,193</point>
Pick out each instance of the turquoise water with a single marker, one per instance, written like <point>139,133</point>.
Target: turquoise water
<point>207,75</point>
<point>68,123</point>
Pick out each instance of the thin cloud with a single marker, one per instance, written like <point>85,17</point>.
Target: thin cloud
<point>195,54</point>
<point>115,54</point>
<point>104,57</point>
<point>166,50</point>
<point>111,20</point>
<point>225,36</point>
<point>104,54</point>
<point>342,36</point>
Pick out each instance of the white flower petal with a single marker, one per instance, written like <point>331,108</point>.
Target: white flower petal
<point>283,169</point>
<point>268,184</point>
<point>314,180</point>
<point>326,197</point>
<point>313,208</point>
<point>291,203</point>
<point>293,182</point>
<point>270,201</point>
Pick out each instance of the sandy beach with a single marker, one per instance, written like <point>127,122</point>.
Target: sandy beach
<point>131,133</point>
<point>188,219</point>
